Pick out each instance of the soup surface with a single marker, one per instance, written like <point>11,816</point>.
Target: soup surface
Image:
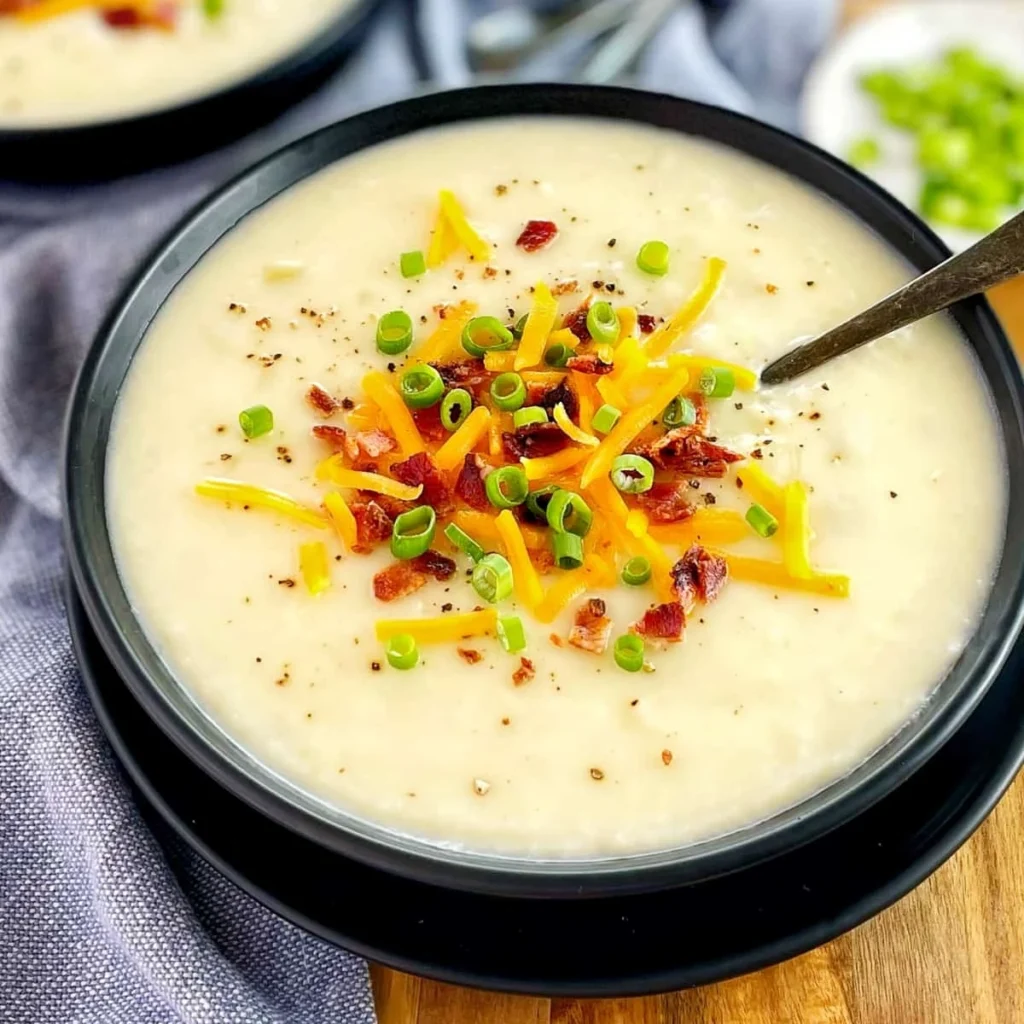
<point>778,687</point>
<point>95,65</point>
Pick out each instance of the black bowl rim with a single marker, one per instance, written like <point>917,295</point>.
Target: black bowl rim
<point>320,54</point>
<point>427,861</point>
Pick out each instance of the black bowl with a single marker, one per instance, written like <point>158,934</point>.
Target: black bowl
<point>108,149</point>
<point>171,707</point>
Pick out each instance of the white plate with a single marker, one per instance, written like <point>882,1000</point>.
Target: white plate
<point>836,113</point>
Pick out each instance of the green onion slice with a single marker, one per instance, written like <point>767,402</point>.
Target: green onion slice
<point>605,418</point>
<point>531,414</point>
<point>464,542</point>
<point>455,407</point>
<point>567,512</point>
<point>213,9</point>
<point>568,550</point>
<point>394,332</point>
<point>629,652</point>
<point>507,487</point>
<point>256,421</point>
<point>680,412</point>
<point>421,386</point>
<point>632,474</point>
<point>558,355</point>
<point>511,633</point>
<point>536,507</point>
<point>762,521</point>
<point>413,532</point>
<point>485,334</point>
<point>508,391</point>
<point>413,264</point>
<point>603,323</point>
<point>653,258</point>
<point>519,326</point>
<point>716,382</point>
<point>492,578</point>
<point>402,651</point>
<point>636,572</point>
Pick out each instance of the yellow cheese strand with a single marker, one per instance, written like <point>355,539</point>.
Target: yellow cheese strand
<point>261,497</point>
<point>314,566</point>
<point>706,526</point>
<point>332,469</point>
<point>482,526</point>
<point>456,217</point>
<point>341,516</point>
<point>439,630</point>
<point>454,451</point>
<point>689,313</point>
<point>403,426</point>
<point>445,342</point>
<point>443,240</point>
<point>552,465</point>
<point>527,582</point>
<point>539,323</point>
<point>561,417</point>
<point>775,574</point>
<point>796,531</point>
<point>761,489</point>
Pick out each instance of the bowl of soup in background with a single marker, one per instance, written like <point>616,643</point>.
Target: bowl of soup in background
<point>90,94</point>
<point>787,710</point>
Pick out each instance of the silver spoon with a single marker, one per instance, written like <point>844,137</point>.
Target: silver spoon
<point>995,259</point>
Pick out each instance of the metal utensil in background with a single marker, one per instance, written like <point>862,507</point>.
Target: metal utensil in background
<point>995,259</point>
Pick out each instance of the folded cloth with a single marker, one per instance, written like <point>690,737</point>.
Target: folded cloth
<point>97,923</point>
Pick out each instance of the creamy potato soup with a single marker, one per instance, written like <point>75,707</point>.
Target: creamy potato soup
<point>75,61</point>
<point>549,574</point>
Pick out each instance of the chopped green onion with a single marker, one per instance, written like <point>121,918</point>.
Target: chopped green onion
<point>492,578</point>
<point>511,633</point>
<point>632,474</point>
<point>568,550</point>
<point>680,412</point>
<point>464,542</point>
<point>864,152</point>
<point>629,652</point>
<point>421,387</point>
<point>762,521</point>
<point>536,508</point>
<point>716,382</point>
<point>413,532</point>
<point>531,414</point>
<point>256,421</point>
<point>603,323</point>
<point>567,512</point>
<point>413,264</point>
<point>402,651</point>
<point>455,407</point>
<point>653,258</point>
<point>394,332</point>
<point>507,487</point>
<point>508,391</point>
<point>558,355</point>
<point>636,572</point>
<point>213,9</point>
<point>605,419</point>
<point>485,334</point>
<point>519,326</point>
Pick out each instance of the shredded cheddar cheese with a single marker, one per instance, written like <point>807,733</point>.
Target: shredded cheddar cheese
<point>637,522</point>
<point>707,526</point>
<point>689,313</point>
<point>446,340</point>
<point>499,362</point>
<point>569,586</point>
<point>314,566</point>
<point>796,531</point>
<point>477,248</point>
<point>440,630</point>
<point>775,574</point>
<point>760,488</point>
<point>552,465</point>
<point>563,336</point>
<point>403,426</point>
<point>443,240</point>
<point>539,323</point>
<point>627,322</point>
<point>332,469</point>
<point>482,526</point>
<point>452,453</point>
<point>527,582</point>
<point>47,9</point>
<point>342,518</point>
<point>261,497</point>
<point>580,436</point>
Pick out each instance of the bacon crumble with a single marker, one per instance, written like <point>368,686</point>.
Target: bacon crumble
<point>420,469</point>
<point>666,503</point>
<point>699,575</point>
<point>685,452</point>
<point>662,622</point>
<point>592,627</point>
<point>590,363</point>
<point>469,486</point>
<point>469,655</point>
<point>322,401</point>
<point>537,234</point>
<point>534,441</point>
<point>406,577</point>
<point>524,673</point>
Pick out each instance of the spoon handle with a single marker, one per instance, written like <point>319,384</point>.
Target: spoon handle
<point>996,258</point>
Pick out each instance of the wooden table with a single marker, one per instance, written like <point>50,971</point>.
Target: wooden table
<point>952,952</point>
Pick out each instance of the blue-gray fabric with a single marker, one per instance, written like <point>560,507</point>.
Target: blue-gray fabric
<point>100,922</point>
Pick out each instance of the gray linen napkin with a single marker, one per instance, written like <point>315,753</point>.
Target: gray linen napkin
<point>97,924</point>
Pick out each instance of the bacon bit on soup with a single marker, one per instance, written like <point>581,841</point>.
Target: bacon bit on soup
<point>468,655</point>
<point>699,574</point>
<point>590,363</point>
<point>428,423</point>
<point>368,444</point>
<point>560,394</point>
<point>399,579</point>
<point>322,401</point>
<point>534,441</point>
<point>684,452</point>
<point>646,323</point>
<point>470,483</point>
<point>161,15</point>
<point>592,627</point>
<point>420,469</point>
<point>433,563</point>
<point>336,437</point>
<point>576,321</point>
<point>537,234</point>
<point>662,622</point>
<point>667,503</point>
<point>373,525</point>
<point>470,374</point>
<point>524,673</point>
<point>596,774</point>
<point>264,323</point>
<point>666,757</point>
<point>565,287</point>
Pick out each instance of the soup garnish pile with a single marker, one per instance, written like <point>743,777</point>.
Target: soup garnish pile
<point>118,14</point>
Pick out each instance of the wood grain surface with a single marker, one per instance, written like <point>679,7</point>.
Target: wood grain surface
<point>952,952</point>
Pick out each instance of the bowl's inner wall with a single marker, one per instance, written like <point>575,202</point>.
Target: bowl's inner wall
<point>165,699</point>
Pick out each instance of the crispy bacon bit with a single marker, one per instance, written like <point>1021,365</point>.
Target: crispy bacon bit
<point>561,392</point>
<point>556,640</point>
<point>373,525</point>
<point>428,423</point>
<point>646,323</point>
<point>699,574</point>
<point>468,655</point>
<point>537,234</point>
<point>334,436</point>
<point>322,401</point>
<point>420,469</point>
<point>590,363</point>
<point>392,507</point>
<point>367,445</point>
<point>469,374</point>
<point>534,441</point>
<point>685,452</point>
<point>399,579</point>
<point>264,323</point>
<point>662,622</point>
<point>666,503</point>
<point>470,484</point>
<point>433,563</point>
<point>524,673</point>
<point>161,15</point>
<point>666,757</point>
<point>576,321</point>
<point>565,287</point>
<point>592,627</point>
